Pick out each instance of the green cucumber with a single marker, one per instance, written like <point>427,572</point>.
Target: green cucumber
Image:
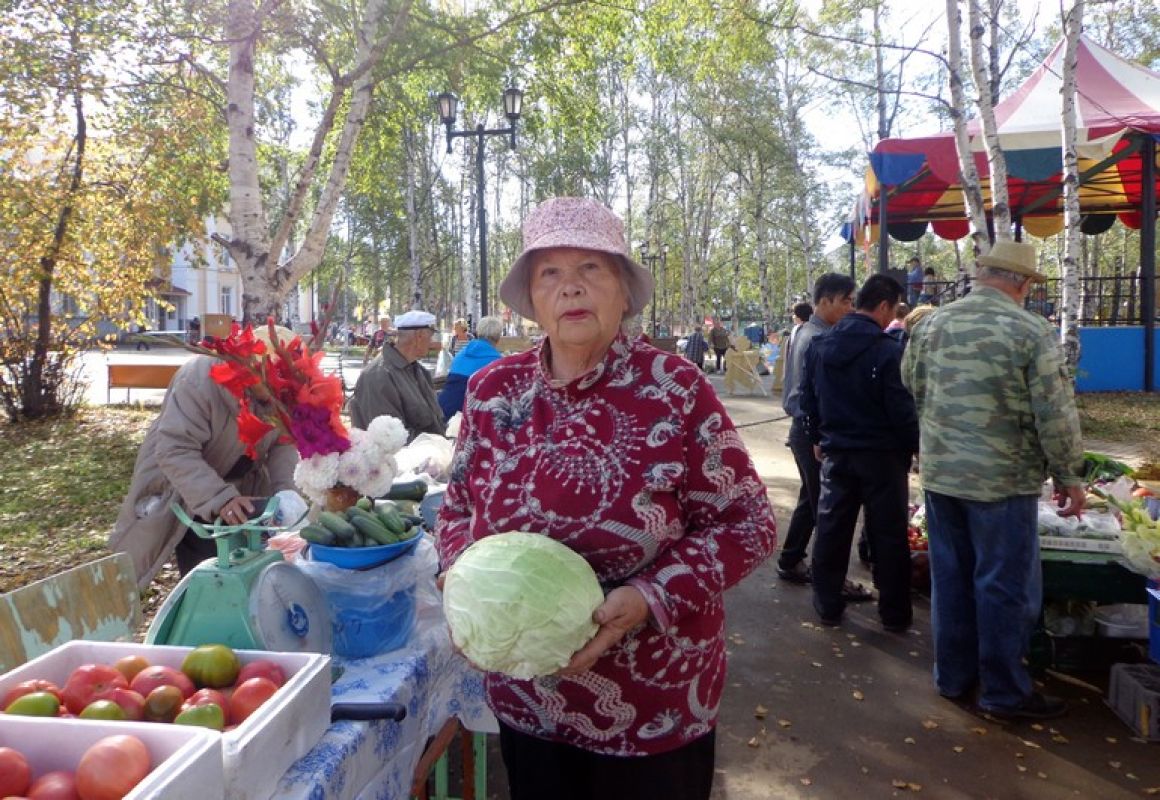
<point>336,524</point>
<point>364,503</point>
<point>373,531</point>
<point>392,520</point>
<point>316,534</point>
<point>407,490</point>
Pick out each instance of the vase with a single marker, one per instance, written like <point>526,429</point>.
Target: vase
<point>339,498</point>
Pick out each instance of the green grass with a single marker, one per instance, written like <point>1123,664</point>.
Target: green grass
<point>1133,419</point>
<point>61,485</point>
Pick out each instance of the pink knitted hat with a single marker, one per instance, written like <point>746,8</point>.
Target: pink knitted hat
<point>574,222</point>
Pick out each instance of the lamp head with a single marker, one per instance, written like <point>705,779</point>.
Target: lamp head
<point>448,105</point>
<point>513,102</point>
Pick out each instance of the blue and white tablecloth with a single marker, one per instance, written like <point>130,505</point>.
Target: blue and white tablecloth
<point>377,760</point>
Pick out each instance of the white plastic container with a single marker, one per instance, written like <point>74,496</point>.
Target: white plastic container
<point>1123,621</point>
<point>187,762</point>
<point>255,753</point>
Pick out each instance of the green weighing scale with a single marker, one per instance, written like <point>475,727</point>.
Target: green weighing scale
<point>247,597</point>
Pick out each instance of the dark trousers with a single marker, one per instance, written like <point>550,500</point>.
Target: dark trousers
<point>720,356</point>
<point>541,770</point>
<point>876,481</point>
<point>801,522</point>
<point>192,550</point>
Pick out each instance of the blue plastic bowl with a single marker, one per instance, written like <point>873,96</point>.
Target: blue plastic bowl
<point>362,557</point>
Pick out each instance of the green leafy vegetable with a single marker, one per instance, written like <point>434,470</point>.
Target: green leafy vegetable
<point>521,603</point>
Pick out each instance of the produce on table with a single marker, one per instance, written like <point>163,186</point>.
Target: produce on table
<point>111,767</point>
<point>158,693</point>
<point>212,665</point>
<point>15,774</point>
<point>129,666</point>
<point>1103,468</point>
<point>521,603</point>
<point>362,526</point>
<point>1139,535</point>
<point>58,785</point>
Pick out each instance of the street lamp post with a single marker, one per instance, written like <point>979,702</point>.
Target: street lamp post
<point>650,261</point>
<point>513,100</point>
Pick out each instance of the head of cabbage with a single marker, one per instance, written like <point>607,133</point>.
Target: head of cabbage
<point>520,603</point>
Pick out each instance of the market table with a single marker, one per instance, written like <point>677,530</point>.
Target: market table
<point>378,759</point>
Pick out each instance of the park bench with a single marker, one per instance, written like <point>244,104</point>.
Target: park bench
<point>138,376</point>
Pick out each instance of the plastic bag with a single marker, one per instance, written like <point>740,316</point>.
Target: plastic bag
<point>442,363</point>
<point>429,454</point>
<point>373,611</point>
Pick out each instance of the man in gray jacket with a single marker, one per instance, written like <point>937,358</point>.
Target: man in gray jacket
<point>833,299</point>
<point>397,384</point>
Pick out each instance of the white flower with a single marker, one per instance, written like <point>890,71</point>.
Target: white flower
<point>316,474</point>
<point>387,433</point>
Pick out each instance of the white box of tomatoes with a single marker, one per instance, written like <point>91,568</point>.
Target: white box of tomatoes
<point>255,753</point>
<point>186,762</point>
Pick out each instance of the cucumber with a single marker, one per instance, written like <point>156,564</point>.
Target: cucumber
<point>365,503</point>
<point>407,490</point>
<point>412,521</point>
<point>391,520</point>
<point>373,531</point>
<point>316,534</point>
<point>343,531</point>
<point>358,540</point>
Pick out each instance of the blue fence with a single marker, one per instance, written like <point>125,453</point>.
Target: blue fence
<point>1112,359</point>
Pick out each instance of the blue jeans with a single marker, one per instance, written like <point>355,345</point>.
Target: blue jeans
<point>986,592</point>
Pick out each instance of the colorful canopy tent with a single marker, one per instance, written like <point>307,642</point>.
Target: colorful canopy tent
<point>915,182</point>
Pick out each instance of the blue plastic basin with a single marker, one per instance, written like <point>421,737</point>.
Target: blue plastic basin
<point>362,557</point>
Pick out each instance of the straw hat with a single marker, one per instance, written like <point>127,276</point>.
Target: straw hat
<point>1018,257</point>
<point>583,224</point>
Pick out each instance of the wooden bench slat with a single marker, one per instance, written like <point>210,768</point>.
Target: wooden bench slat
<point>139,376</point>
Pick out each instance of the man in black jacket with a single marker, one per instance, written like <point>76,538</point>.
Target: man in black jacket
<point>864,428</point>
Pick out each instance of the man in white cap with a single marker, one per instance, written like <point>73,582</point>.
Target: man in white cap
<point>397,384</point>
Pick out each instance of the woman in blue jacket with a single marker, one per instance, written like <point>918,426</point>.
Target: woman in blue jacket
<point>471,358</point>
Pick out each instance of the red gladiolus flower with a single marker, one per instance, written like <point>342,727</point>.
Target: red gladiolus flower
<point>235,377</point>
<point>251,430</point>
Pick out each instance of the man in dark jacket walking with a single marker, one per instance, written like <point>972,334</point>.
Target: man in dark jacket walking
<point>863,425</point>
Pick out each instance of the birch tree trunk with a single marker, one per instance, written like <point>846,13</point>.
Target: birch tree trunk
<point>1000,204</point>
<point>1069,316</point>
<point>968,173</point>
<point>416,300</point>
<point>265,281</point>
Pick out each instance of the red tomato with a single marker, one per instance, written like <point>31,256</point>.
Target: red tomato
<point>90,682</point>
<point>28,687</point>
<point>132,703</point>
<point>129,666</point>
<point>262,668</point>
<point>204,697</point>
<point>15,774</point>
<point>112,767</point>
<point>59,785</point>
<point>150,678</point>
<point>248,696</point>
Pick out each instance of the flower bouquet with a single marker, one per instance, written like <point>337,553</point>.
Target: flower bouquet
<point>280,386</point>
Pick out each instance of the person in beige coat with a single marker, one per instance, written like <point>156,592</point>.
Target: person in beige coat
<point>192,455</point>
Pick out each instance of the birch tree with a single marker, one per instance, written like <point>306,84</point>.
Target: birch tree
<point>1069,316</point>
<point>968,172</point>
<point>996,161</point>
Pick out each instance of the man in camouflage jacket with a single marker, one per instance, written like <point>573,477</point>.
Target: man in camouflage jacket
<point>996,415</point>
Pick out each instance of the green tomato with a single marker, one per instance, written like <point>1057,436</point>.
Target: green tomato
<point>212,665</point>
<point>103,709</point>
<point>35,704</point>
<point>208,716</point>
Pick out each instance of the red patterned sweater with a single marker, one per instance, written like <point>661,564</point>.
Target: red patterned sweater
<point>637,467</point>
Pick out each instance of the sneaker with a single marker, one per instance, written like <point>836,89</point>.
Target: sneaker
<point>798,573</point>
<point>1037,706</point>
<point>896,627</point>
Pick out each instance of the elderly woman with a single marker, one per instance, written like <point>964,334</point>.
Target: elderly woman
<point>625,454</point>
<point>460,336</point>
<point>477,354</point>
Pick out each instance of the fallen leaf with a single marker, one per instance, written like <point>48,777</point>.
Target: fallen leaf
<point>914,787</point>
<point>1031,744</point>
<point>754,742</point>
<point>1130,776</point>
<point>958,748</point>
<point>808,625</point>
<point>1020,767</point>
<point>913,654</point>
<point>855,644</point>
<point>1059,737</point>
<point>979,731</point>
<point>1041,775</point>
<point>898,784</point>
<point>1019,755</point>
<point>806,781</point>
<point>909,740</point>
<point>760,711</point>
<point>1152,790</point>
<point>1035,726</point>
<point>865,770</point>
<point>816,663</point>
<point>785,723</point>
<point>929,724</point>
<point>1114,764</point>
<point>1053,731</point>
<point>858,695</point>
<point>1111,740</point>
